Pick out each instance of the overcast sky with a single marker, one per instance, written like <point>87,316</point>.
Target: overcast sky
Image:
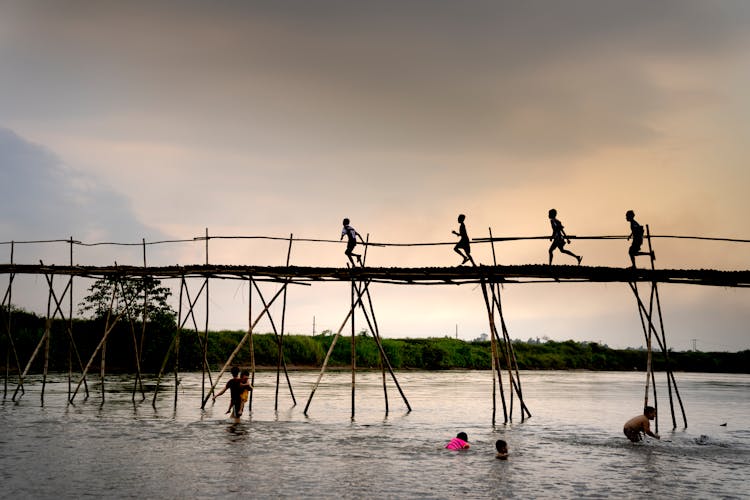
<point>123,121</point>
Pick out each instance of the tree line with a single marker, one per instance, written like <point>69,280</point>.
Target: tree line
<point>305,351</point>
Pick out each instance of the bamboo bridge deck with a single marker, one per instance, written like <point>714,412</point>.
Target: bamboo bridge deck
<point>404,275</point>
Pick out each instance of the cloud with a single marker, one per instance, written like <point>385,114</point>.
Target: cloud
<point>289,79</point>
<point>42,198</point>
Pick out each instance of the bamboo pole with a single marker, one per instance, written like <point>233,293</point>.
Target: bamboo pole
<point>384,361</point>
<point>181,321</point>
<point>502,346</point>
<point>31,359</point>
<point>11,342</point>
<point>163,367</point>
<point>379,342</point>
<point>70,325</point>
<point>69,330</point>
<point>104,338</point>
<point>493,333</point>
<point>328,355</point>
<point>662,346</point>
<point>7,328</point>
<point>508,344</point>
<point>48,328</point>
<point>647,332</point>
<point>650,333</point>
<point>9,295</point>
<point>131,322</point>
<point>276,334</point>
<point>177,347</point>
<point>280,343</point>
<point>204,365</point>
<point>511,359</point>
<point>250,341</point>
<point>665,350</point>
<point>203,342</point>
<point>42,341</point>
<point>493,347</point>
<point>144,320</point>
<point>353,348</point>
<point>107,331</point>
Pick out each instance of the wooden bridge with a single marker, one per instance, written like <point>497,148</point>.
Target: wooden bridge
<point>402,275</point>
<point>489,277</point>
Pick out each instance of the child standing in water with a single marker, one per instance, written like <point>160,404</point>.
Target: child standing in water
<point>460,442</point>
<point>559,237</point>
<point>235,389</point>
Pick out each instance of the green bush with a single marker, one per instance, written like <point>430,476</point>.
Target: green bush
<point>305,351</point>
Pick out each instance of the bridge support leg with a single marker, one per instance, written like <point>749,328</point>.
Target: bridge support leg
<point>650,332</point>
<point>6,308</point>
<point>361,290</point>
<point>502,345</point>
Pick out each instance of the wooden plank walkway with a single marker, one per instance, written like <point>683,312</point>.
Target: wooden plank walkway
<point>404,275</point>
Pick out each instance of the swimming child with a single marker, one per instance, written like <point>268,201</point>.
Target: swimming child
<point>502,450</point>
<point>636,426</point>
<point>460,442</point>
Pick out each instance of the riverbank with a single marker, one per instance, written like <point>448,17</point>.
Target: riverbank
<point>158,346</point>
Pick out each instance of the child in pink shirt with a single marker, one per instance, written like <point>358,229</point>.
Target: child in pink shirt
<point>460,442</point>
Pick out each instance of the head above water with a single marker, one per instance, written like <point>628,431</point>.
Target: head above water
<point>461,218</point>
<point>462,435</point>
<point>346,222</point>
<point>501,446</point>
<point>629,215</point>
<point>234,371</point>
<point>552,213</point>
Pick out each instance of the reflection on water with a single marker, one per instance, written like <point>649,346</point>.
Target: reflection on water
<point>572,447</point>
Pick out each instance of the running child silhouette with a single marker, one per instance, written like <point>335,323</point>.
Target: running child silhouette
<point>351,242</point>
<point>559,238</point>
<point>463,243</point>
<point>636,232</point>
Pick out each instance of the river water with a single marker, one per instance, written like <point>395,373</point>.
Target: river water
<point>572,447</point>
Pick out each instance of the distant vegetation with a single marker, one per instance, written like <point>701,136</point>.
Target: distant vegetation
<point>304,351</point>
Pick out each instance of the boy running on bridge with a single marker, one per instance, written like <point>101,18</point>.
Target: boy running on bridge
<point>463,243</point>
<point>559,237</point>
<point>636,232</point>
<point>351,234</point>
